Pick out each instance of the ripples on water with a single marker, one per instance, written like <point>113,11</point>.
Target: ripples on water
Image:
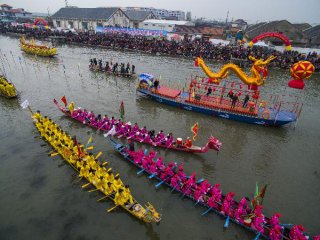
<point>40,197</point>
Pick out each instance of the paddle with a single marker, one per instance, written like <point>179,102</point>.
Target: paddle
<point>85,185</point>
<point>105,163</point>
<point>141,171</point>
<point>258,236</point>
<point>104,197</point>
<point>110,209</point>
<point>98,155</point>
<point>205,212</point>
<point>54,154</point>
<point>226,224</point>
<point>160,183</point>
<point>197,182</point>
<point>93,190</point>
<point>152,175</point>
<point>89,148</point>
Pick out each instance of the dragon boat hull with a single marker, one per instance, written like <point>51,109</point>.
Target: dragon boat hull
<point>193,149</point>
<point>135,209</point>
<point>124,75</point>
<point>122,151</point>
<point>275,119</point>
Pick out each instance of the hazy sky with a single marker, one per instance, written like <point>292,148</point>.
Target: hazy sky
<point>295,11</point>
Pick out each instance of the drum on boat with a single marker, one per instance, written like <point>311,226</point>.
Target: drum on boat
<point>179,141</point>
<point>247,221</point>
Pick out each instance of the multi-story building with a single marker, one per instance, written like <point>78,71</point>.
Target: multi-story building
<point>7,13</point>
<point>162,13</point>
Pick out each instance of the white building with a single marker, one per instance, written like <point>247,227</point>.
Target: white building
<point>164,25</point>
<point>162,13</point>
<point>9,13</point>
<point>83,19</point>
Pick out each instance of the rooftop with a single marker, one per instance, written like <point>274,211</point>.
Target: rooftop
<point>85,13</point>
<point>137,15</point>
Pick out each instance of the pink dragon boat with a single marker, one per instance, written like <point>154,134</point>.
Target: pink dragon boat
<point>125,130</point>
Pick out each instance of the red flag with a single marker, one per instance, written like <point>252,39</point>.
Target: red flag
<point>64,100</point>
<point>194,130</point>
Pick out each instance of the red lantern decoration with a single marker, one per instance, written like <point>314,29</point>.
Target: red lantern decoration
<point>202,80</point>
<point>205,88</point>
<point>253,87</point>
<point>196,63</point>
<point>240,86</point>
<point>191,85</point>
<point>300,71</point>
<point>214,89</point>
<point>239,94</point>
<point>232,84</point>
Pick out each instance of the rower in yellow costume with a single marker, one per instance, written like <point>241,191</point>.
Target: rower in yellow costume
<point>107,186</point>
<point>117,183</point>
<point>71,107</point>
<point>119,198</point>
<point>127,194</point>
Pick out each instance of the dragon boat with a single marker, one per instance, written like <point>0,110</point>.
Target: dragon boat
<point>36,49</point>
<point>7,89</point>
<point>285,231</point>
<point>213,143</point>
<point>207,95</point>
<point>118,74</point>
<point>78,158</point>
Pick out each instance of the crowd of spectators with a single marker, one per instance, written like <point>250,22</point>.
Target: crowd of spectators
<point>184,48</point>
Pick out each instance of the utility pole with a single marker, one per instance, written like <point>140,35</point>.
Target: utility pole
<point>227,17</point>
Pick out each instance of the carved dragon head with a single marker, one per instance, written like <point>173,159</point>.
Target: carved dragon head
<point>260,62</point>
<point>152,213</point>
<point>214,143</point>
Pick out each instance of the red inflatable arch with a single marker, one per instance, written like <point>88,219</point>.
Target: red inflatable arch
<point>272,34</point>
<point>44,23</point>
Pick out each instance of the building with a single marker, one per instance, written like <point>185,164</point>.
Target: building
<point>239,23</point>
<point>83,19</point>
<point>189,18</point>
<point>164,25</point>
<point>7,13</point>
<point>137,16</point>
<point>162,13</point>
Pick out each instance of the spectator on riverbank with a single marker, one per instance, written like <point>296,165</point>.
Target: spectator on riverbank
<point>185,48</point>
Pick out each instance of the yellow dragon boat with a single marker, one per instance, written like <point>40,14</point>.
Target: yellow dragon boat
<point>7,89</point>
<point>32,48</point>
<point>91,169</point>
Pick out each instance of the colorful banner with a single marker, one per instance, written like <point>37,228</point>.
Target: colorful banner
<point>132,31</point>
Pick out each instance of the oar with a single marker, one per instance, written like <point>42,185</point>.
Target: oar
<point>141,171</point>
<point>93,190</point>
<point>54,154</point>
<point>196,203</point>
<point>98,155</point>
<point>110,209</point>
<point>85,185</point>
<point>205,212</point>
<point>160,183</point>
<point>105,163</point>
<point>104,197</point>
<point>89,148</point>
<point>258,236</point>
<point>152,175</point>
<point>226,224</point>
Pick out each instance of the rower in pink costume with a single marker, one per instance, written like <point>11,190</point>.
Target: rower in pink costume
<point>135,128</point>
<point>227,204</point>
<point>296,233</point>
<point>169,140</point>
<point>241,210</point>
<point>188,184</point>
<point>258,219</point>
<point>167,172</point>
<point>204,186</point>
<point>159,138</point>
<point>198,194</point>
<point>147,138</point>
<point>160,166</point>
<point>175,182</point>
<point>143,130</point>
<point>181,173</point>
<point>275,232</point>
<point>137,156</point>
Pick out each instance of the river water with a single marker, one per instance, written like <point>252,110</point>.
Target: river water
<point>40,199</point>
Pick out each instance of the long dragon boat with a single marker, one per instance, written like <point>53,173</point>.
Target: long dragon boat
<point>7,89</point>
<point>213,143</point>
<point>208,96</point>
<point>270,228</point>
<point>37,49</point>
<point>91,169</point>
<point>96,68</point>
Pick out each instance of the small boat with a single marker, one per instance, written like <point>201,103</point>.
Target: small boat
<point>36,49</point>
<point>247,224</point>
<point>74,156</point>
<point>213,143</point>
<point>207,96</point>
<point>118,74</point>
<point>7,89</point>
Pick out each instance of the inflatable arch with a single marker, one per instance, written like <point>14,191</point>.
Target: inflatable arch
<point>272,34</point>
<point>42,21</point>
